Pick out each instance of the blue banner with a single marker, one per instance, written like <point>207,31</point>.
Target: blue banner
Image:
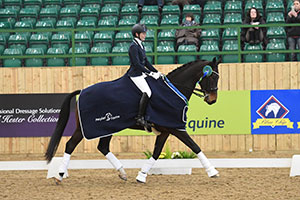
<point>275,111</point>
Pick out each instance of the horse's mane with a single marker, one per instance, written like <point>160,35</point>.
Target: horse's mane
<point>181,68</point>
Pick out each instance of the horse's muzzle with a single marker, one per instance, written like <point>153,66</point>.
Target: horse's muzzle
<point>211,98</point>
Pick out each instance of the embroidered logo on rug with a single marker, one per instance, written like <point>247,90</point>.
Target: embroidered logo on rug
<point>108,117</point>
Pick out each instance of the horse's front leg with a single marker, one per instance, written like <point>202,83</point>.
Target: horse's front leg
<point>103,147</point>
<point>159,144</point>
<point>187,140</point>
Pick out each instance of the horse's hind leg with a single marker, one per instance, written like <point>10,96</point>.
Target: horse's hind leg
<point>159,144</point>
<point>187,140</point>
<point>103,147</point>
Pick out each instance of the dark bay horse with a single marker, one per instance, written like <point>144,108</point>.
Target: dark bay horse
<point>185,79</point>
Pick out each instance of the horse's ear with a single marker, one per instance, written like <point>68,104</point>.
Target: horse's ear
<point>214,60</point>
<point>219,61</point>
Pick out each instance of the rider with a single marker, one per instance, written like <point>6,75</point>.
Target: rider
<point>140,67</point>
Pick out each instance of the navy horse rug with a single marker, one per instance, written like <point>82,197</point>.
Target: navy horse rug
<point>109,107</point>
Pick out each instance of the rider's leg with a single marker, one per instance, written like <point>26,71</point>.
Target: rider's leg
<point>70,147</point>
<point>187,140</point>
<point>103,147</point>
<point>142,84</point>
<point>159,143</point>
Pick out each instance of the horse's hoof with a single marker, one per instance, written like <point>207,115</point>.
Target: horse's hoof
<point>140,181</point>
<point>57,181</point>
<point>123,177</point>
<point>141,177</point>
<point>215,176</point>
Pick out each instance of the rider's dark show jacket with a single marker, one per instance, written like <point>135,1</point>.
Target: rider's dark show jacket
<point>138,61</point>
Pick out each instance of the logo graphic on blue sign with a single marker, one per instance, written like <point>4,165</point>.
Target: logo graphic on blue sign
<point>274,111</point>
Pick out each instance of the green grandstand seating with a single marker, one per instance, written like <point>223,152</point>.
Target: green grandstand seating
<point>88,11</point>
<point>150,10</point>
<point>34,62</point>
<point>39,40</point>
<point>208,48</point>
<point>28,13</point>
<point>7,13</point>
<point>171,9</point>
<point>230,45</point>
<point>101,60</point>
<point>60,38</point>
<point>233,7</point>
<point>3,40</point>
<point>170,43</point>
<point>122,44</point>
<point>256,4</point>
<point>104,44</point>
<point>150,35</point>
<point>12,2</point>
<point>150,45</point>
<point>186,58</point>
<point>78,60</point>
<point>66,47</point>
<point>49,13</point>
<point>165,59</point>
<point>233,18</point>
<point>104,36</point>
<point>274,6</point>
<point>212,19</point>
<point>276,32</point>
<point>23,25</point>
<point>230,33</point>
<point>69,12</point>
<point>149,20</point>
<point>53,2</point>
<point>210,34</point>
<point>275,17</point>
<point>123,36</point>
<point>12,62</point>
<point>129,10</point>
<point>86,23</point>
<point>253,57</point>
<point>18,39</point>
<point>83,37</point>
<point>194,8</point>
<point>107,23</point>
<point>289,5</point>
<point>45,25</point>
<point>276,57</point>
<point>1,49</point>
<point>170,20</point>
<point>112,1</point>
<point>18,46</point>
<point>55,62</point>
<point>120,60</point>
<point>149,49</point>
<point>127,22</point>
<point>110,10</point>
<point>33,2</point>
<point>212,7</point>
<point>64,23</point>
<point>167,34</point>
<point>72,2</point>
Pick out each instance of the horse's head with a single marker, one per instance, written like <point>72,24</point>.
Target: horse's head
<point>209,81</point>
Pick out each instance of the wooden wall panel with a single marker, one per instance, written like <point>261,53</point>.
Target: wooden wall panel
<point>244,76</point>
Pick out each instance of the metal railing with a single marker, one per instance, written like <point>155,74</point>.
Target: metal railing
<point>239,52</point>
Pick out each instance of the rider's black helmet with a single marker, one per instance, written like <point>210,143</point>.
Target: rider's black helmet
<point>138,28</point>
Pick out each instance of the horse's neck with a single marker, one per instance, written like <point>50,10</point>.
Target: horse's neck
<point>186,80</point>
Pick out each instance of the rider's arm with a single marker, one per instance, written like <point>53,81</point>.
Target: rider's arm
<point>135,60</point>
<point>150,66</point>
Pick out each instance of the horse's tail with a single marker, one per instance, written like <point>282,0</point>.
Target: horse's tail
<point>60,126</point>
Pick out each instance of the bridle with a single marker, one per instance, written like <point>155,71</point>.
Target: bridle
<point>203,91</point>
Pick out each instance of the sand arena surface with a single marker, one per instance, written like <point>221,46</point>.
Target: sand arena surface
<point>235,184</point>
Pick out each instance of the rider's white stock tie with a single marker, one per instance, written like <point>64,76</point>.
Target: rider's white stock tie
<point>65,163</point>
<point>114,161</point>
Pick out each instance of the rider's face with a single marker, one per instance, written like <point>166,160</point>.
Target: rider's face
<point>143,36</point>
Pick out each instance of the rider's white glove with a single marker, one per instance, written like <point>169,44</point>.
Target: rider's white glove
<point>155,75</point>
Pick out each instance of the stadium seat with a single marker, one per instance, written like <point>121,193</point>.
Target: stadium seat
<point>208,48</point>
<point>169,20</point>
<point>122,44</point>
<point>167,34</point>
<point>150,10</point>
<point>129,10</point>
<point>210,34</point>
<point>3,40</point>
<point>230,33</point>
<point>33,2</point>
<point>112,1</point>
<point>71,2</point>
<point>275,17</point>
<point>253,57</point>
<point>274,6</point>
<point>60,38</point>
<point>12,3</point>
<point>107,23</point>
<point>104,44</point>
<point>53,2</point>
<point>104,36</point>
<point>233,7</point>
<point>49,13</point>
<point>193,8</point>
<point>256,4</point>
<point>170,43</point>
<point>150,35</point>
<point>124,36</point>
<point>1,49</point>
<point>55,62</point>
<point>212,7</point>
<point>83,37</point>
<point>276,32</point>
<point>212,19</point>
<point>120,60</point>
<point>165,59</point>
<point>230,45</point>
<point>86,23</point>
<point>34,62</point>
<point>69,12</point>
<point>186,58</point>
<point>79,61</point>
<point>127,22</point>
<point>18,39</point>
<point>149,20</point>
<point>24,25</point>
<point>26,13</point>
<point>171,9</point>
<point>64,23</point>
<point>39,40</point>
<point>276,57</point>
<point>88,11</point>
<point>110,10</point>
<point>12,62</point>
<point>233,18</point>
<point>101,60</point>
<point>149,49</point>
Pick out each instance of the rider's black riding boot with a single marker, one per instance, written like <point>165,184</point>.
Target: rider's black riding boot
<point>140,120</point>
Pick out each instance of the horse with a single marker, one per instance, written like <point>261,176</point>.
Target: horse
<point>184,79</point>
